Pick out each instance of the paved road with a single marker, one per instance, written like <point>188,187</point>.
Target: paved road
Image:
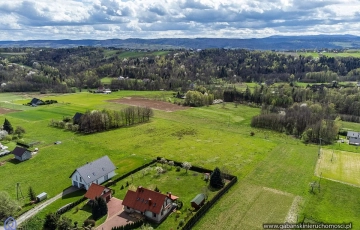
<point>38,208</point>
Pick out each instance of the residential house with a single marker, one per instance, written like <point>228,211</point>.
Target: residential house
<point>21,154</point>
<point>153,205</point>
<point>96,190</point>
<point>96,172</point>
<point>353,135</point>
<point>198,201</point>
<point>76,118</point>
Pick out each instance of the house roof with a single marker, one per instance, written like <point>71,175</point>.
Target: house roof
<point>35,101</point>
<point>144,200</point>
<point>96,169</point>
<point>95,190</point>
<point>77,116</point>
<point>198,199</point>
<point>352,134</point>
<point>18,151</point>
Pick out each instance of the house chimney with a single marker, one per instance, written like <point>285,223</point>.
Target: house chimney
<point>169,194</point>
<point>149,201</point>
<point>139,188</point>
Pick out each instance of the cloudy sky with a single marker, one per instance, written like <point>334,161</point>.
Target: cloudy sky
<point>106,19</point>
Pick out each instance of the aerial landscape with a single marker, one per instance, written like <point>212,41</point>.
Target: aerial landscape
<point>185,114</point>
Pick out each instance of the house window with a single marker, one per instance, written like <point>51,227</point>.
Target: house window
<point>154,214</point>
<point>76,177</point>
<point>80,179</point>
<point>96,182</point>
<point>106,177</point>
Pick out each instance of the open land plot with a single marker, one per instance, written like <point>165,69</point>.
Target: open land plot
<point>339,166</point>
<point>248,206</point>
<point>143,102</point>
<point>6,110</point>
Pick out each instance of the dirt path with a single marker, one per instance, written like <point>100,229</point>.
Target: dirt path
<point>40,207</point>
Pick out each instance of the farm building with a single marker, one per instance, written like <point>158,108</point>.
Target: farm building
<point>198,201</point>
<point>96,172</point>
<point>36,101</point>
<point>42,196</point>
<point>76,118</point>
<point>96,190</point>
<point>21,154</point>
<point>153,205</point>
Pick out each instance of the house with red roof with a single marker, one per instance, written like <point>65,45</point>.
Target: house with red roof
<point>153,205</point>
<point>96,190</point>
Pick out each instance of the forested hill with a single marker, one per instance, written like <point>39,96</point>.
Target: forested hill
<point>269,43</point>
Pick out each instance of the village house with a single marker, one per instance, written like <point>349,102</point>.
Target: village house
<point>153,205</point>
<point>96,190</point>
<point>354,137</point>
<point>96,172</point>
<point>21,154</point>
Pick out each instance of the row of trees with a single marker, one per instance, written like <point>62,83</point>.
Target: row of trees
<point>310,122</point>
<point>98,121</point>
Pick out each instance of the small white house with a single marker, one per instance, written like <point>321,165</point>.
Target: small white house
<point>96,172</point>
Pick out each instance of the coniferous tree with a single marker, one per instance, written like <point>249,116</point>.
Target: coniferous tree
<point>31,194</point>
<point>8,127</point>
<point>215,179</point>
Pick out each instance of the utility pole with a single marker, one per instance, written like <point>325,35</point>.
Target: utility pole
<point>18,189</point>
<point>320,181</point>
<point>319,148</point>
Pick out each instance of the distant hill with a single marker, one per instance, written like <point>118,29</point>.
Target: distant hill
<point>281,43</point>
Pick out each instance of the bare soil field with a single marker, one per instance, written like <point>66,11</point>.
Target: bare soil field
<point>5,110</point>
<point>143,102</point>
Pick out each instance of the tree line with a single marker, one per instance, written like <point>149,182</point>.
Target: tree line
<point>98,121</point>
<point>310,122</point>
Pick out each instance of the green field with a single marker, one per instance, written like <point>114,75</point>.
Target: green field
<point>273,170</point>
<point>339,166</point>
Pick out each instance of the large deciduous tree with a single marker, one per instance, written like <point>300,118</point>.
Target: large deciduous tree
<point>8,207</point>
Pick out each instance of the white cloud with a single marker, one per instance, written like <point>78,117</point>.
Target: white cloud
<point>102,19</point>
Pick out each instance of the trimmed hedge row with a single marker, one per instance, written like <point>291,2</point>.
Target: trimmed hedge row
<point>129,226</point>
<point>129,173</point>
<point>201,212</point>
<point>70,206</point>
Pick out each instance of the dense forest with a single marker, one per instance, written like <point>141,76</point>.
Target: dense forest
<point>59,70</point>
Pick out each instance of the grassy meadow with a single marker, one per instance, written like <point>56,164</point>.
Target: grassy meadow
<point>273,170</point>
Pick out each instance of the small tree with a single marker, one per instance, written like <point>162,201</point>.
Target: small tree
<point>31,194</point>
<point>8,206</point>
<point>215,179</point>
<point>3,134</point>
<point>163,161</point>
<point>186,166</point>
<point>159,170</point>
<point>51,221</point>
<point>19,131</point>
<point>8,127</point>
<point>64,223</point>
<point>99,207</point>
<point>171,163</point>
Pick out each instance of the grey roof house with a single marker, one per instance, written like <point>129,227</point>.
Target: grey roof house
<point>353,134</point>
<point>96,172</point>
<point>21,154</point>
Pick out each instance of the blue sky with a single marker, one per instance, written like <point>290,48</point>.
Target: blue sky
<point>106,19</point>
